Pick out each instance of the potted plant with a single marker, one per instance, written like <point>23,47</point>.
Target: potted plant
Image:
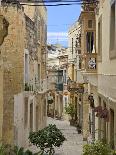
<point>70,110</point>
<point>47,138</point>
<point>97,148</point>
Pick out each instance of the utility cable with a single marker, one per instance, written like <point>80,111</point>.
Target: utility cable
<point>60,4</point>
<point>67,2</point>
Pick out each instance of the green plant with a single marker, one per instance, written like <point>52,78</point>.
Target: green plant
<point>114,152</point>
<point>14,150</point>
<point>97,148</point>
<point>2,150</point>
<point>70,110</point>
<point>6,149</point>
<point>20,151</point>
<point>47,138</point>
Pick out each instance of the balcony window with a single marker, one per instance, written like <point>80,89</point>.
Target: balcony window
<point>90,24</point>
<point>90,42</point>
<point>112,28</point>
<point>100,37</point>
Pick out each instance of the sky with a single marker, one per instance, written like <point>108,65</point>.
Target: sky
<point>60,18</point>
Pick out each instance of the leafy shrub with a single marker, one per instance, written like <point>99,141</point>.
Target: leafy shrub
<point>70,110</point>
<point>2,150</point>
<point>97,148</point>
<point>14,150</point>
<point>47,138</point>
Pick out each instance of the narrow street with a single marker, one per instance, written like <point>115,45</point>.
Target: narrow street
<point>73,145</point>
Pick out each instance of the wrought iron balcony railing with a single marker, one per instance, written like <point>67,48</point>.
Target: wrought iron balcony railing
<point>75,87</point>
<point>41,86</point>
<point>37,86</point>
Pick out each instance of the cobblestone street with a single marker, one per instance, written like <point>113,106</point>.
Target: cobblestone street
<point>73,145</point>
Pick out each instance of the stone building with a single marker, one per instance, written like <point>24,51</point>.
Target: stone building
<point>57,78</point>
<point>88,64</point>
<point>74,67</point>
<point>98,71</point>
<point>106,85</point>
<point>23,73</point>
<point>98,52</point>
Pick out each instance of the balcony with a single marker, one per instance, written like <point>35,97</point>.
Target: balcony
<point>59,87</point>
<point>41,86</point>
<point>74,87</point>
<point>89,63</point>
<point>37,87</point>
<point>89,5</point>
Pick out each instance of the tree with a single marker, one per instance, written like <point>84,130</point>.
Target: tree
<point>47,138</point>
<point>70,110</point>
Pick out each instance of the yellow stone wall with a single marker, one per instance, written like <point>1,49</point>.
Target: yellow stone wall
<point>12,52</point>
<point>12,67</point>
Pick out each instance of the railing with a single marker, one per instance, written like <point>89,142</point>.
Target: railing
<point>38,86</point>
<point>59,87</point>
<point>89,62</point>
<point>75,87</point>
<point>41,86</point>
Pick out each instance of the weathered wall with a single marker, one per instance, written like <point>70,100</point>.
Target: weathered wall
<point>106,67</point>
<point>12,50</point>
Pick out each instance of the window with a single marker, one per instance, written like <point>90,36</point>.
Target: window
<point>90,24</point>
<point>79,51</point>
<point>90,41</point>
<point>38,27</point>
<point>112,27</point>
<point>100,37</point>
<point>80,62</point>
<point>38,71</point>
<point>26,63</point>
<point>64,76</point>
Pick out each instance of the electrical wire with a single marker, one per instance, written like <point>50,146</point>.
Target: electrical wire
<point>62,3</point>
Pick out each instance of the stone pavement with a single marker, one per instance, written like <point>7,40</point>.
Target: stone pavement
<point>73,145</point>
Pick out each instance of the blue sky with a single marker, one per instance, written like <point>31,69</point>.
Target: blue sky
<point>60,18</point>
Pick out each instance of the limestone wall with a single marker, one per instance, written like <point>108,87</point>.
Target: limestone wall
<point>12,52</point>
